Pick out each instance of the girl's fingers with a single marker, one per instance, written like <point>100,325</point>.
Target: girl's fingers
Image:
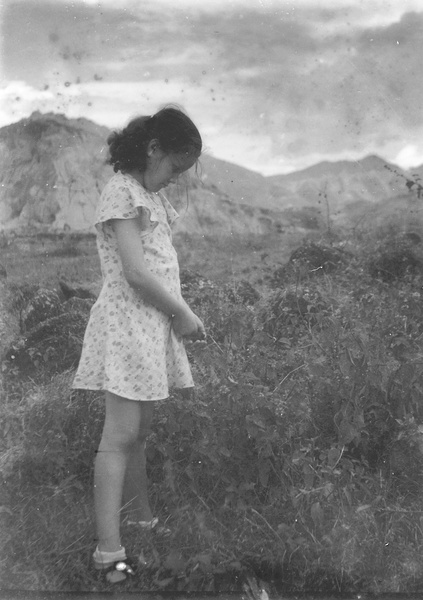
<point>198,335</point>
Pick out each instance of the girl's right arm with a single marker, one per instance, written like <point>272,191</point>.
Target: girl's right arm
<point>136,272</point>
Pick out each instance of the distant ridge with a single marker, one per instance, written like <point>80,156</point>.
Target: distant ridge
<point>368,163</point>
<point>53,169</point>
<point>370,179</point>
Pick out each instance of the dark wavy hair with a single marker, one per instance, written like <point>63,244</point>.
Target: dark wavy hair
<point>172,128</point>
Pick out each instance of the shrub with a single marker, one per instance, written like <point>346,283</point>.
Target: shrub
<point>57,432</point>
<point>53,346</point>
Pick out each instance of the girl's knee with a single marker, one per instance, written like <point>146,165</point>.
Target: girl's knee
<point>127,424</point>
<point>116,438</point>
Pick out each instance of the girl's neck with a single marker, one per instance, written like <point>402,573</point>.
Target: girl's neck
<point>138,176</point>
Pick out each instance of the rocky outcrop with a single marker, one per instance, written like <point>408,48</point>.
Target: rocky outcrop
<point>52,171</point>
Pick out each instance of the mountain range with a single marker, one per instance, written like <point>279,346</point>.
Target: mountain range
<point>53,170</point>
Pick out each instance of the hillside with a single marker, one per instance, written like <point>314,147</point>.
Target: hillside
<point>53,170</point>
<point>370,179</point>
<point>240,184</point>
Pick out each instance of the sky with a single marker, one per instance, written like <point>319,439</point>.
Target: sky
<point>273,85</point>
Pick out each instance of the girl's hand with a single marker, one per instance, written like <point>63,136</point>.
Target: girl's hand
<point>201,332</point>
<point>186,323</point>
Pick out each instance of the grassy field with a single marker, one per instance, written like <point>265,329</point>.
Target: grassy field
<point>47,258</point>
<point>297,465</point>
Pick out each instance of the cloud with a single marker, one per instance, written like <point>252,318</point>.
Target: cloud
<point>410,156</point>
<point>18,100</point>
<point>380,10</point>
<point>273,84</point>
<point>64,38</point>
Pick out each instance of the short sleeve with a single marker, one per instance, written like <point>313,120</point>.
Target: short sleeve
<point>122,198</point>
<point>116,202</point>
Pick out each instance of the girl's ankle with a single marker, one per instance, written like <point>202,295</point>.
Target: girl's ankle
<point>109,555</point>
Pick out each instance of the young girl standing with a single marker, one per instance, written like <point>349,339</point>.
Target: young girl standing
<point>133,346</point>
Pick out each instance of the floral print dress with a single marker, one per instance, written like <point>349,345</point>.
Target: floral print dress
<point>130,348</point>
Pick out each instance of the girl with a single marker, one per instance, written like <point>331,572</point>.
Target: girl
<point>133,346</point>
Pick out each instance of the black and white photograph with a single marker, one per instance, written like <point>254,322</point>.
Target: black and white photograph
<point>211,299</point>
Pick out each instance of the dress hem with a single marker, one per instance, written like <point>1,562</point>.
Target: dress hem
<point>102,389</point>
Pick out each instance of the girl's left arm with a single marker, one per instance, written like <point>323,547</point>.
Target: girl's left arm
<point>139,277</point>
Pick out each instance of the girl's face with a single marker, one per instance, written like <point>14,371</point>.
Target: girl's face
<point>163,169</point>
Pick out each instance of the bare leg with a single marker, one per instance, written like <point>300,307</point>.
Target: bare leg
<point>135,491</point>
<point>126,421</point>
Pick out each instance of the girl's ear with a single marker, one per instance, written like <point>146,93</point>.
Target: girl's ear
<point>153,146</point>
